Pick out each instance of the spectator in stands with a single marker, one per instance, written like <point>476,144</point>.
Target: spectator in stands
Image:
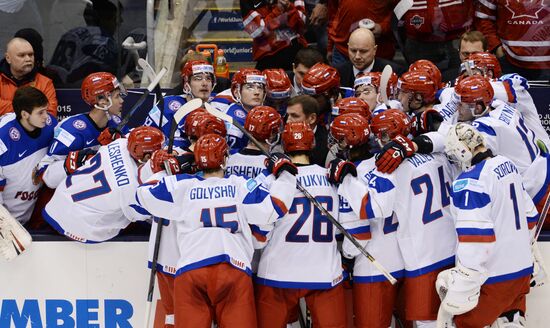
<point>35,39</point>
<point>18,69</point>
<point>277,28</point>
<point>305,108</point>
<point>517,33</point>
<point>317,12</point>
<point>362,51</point>
<point>471,42</point>
<point>346,19</point>
<point>431,28</point>
<point>305,58</point>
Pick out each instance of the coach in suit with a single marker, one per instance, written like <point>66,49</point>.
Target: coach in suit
<point>362,52</point>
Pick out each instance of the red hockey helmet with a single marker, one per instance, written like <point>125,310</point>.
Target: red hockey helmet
<point>244,76</point>
<point>370,78</point>
<point>431,68</point>
<point>210,151</point>
<point>351,129</point>
<point>204,123</point>
<point>418,81</point>
<point>278,83</point>
<point>486,61</point>
<point>320,78</point>
<point>352,105</point>
<point>297,136</point>
<point>390,123</point>
<point>193,67</point>
<point>144,140</point>
<point>263,122</point>
<point>474,89</point>
<point>99,84</point>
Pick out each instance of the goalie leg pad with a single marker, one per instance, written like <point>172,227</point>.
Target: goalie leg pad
<point>14,239</point>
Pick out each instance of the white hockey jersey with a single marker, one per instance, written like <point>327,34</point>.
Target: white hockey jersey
<point>19,155</point>
<point>383,242</point>
<point>492,211</point>
<point>247,163</point>
<point>93,203</point>
<point>301,251</point>
<point>212,215</point>
<point>418,193</point>
<point>73,133</point>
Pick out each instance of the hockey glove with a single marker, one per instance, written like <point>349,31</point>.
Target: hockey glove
<point>393,153</point>
<point>108,135</point>
<point>186,163</point>
<point>77,158</point>
<point>338,169</point>
<point>426,121</point>
<point>463,287</point>
<point>279,162</point>
<point>161,160</point>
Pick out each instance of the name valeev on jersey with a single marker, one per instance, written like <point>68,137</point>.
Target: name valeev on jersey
<point>117,164</point>
<point>420,159</point>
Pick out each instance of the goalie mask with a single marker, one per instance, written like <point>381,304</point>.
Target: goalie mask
<point>462,139</point>
<point>144,140</point>
<point>99,86</point>
<point>210,152</point>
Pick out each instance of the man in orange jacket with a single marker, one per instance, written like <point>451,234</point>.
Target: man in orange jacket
<point>17,70</point>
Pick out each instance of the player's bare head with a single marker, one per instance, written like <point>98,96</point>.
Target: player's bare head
<point>361,48</point>
<point>297,138</point>
<point>389,124</point>
<point>248,87</point>
<point>211,152</point>
<point>475,94</point>
<point>31,104</point>
<point>20,57</point>
<point>463,142</point>
<point>198,79</point>
<point>264,123</point>
<point>103,91</point>
<point>143,141</point>
<point>203,123</point>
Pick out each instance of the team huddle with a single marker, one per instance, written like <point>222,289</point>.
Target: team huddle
<point>266,194</point>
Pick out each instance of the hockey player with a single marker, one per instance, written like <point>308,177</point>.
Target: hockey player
<point>367,87</point>
<point>278,89</point>
<point>24,139</point>
<point>104,94</point>
<point>285,275</point>
<point>100,193</point>
<point>493,258</point>
<point>215,211</point>
<point>198,81</point>
<point>373,296</point>
<point>264,123</point>
<point>352,105</point>
<point>417,193</point>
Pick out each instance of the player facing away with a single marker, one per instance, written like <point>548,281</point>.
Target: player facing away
<point>212,214</point>
<point>264,123</point>
<point>24,139</point>
<point>278,89</point>
<point>197,124</point>
<point>491,208</point>
<point>301,258</point>
<point>104,94</point>
<point>198,81</point>
<point>374,298</point>
<point>99,194</point>
<point>417,193</point>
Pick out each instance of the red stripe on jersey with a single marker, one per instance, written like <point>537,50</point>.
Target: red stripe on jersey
<point>363,214</point>
<point>477,238</point>
<point>531,225</point>
<point>280,204</point>
<point>362,236</point>
<point>259,236</point>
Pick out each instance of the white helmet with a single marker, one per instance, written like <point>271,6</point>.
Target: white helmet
<point>461,141</point>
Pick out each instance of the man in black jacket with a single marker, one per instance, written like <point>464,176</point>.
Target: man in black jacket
<point>362,52</point>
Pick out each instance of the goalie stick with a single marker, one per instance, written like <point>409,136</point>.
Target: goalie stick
<point>178,117</point>
<point>306,193</point>
<point>384,80</point>
<point>140,101</point>
<point>149,72</point>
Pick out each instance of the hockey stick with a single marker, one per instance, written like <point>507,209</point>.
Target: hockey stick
<point>541,220</point>
<point>306,193</point>
<point>140,101</point>
<point>384,80</point>
<point>150,73</point>
<point>178,117</point>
